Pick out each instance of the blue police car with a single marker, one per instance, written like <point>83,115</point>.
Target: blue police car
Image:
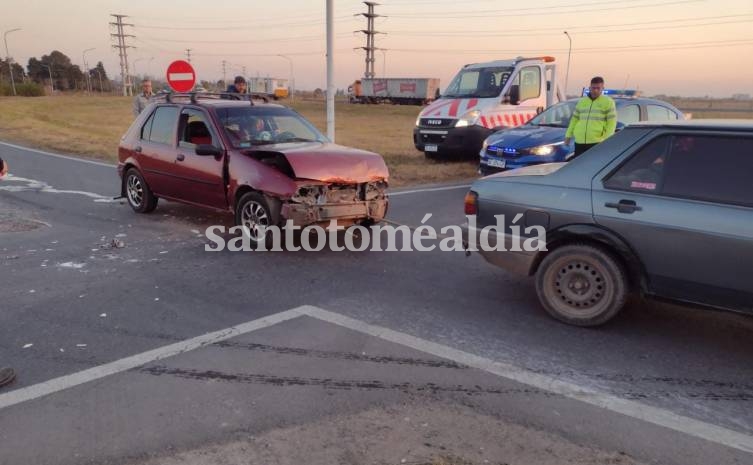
<point>542,139</point>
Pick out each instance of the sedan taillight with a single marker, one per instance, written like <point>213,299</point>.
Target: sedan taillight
<point>471,203</point>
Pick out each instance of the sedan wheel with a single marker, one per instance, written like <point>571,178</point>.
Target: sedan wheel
<point>139,196</point>
<point>253,214</point>
<point>581,285</point>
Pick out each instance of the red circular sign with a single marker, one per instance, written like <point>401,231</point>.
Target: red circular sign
<point>181,76</point>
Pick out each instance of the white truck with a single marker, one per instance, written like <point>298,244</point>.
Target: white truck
<point>483,98</point>
<point>406,91</point>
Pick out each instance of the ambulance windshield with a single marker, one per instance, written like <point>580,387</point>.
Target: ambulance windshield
<point>478,82</point>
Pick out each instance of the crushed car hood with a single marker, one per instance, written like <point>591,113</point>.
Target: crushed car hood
<point>329,162</point>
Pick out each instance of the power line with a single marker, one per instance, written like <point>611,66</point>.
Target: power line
<point>509,13</point>
<point>510,33</point>
<point>252,27</point>
<point>615,49</point>
<point>276,40</point>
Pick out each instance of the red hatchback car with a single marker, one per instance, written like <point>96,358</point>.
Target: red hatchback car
<point>263,162</point>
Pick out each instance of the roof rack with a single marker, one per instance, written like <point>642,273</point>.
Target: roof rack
<point>194,97</point>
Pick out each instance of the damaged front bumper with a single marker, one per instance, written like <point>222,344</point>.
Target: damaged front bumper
<point>346,203</point>
<point>348,213</point>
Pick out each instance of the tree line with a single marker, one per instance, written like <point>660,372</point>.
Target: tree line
<point>58,68</point>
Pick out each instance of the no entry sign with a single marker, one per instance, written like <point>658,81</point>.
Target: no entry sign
<point>181,76</point>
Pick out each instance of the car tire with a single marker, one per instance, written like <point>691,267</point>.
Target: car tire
<point>140,197</point>
<point>252,211</point>
<point>582,285</point>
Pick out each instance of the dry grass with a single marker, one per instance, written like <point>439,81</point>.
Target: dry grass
<point>92,127</point>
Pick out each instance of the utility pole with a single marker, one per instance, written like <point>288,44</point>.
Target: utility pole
<point>370,33</point>
<point>567,74</point>
<point>188,54</point>
<point>122,47</point>
<point>99,75</point>
<point>330,72</point>
<point>52,82</point>
<point>86,70</point>
<point>8,58</point>
<point>224,73</point>
<point>384,62</point>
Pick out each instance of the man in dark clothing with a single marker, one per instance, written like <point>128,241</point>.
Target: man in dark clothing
<point>238,87</point>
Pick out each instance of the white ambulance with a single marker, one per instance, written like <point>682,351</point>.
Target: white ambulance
<point>483,98</point>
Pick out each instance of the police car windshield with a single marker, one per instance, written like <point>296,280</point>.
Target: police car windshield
<point>478,82</point>
<point>557,116</point>
<point>252,126</point>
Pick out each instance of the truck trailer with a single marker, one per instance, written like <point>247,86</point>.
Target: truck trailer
<point>403,91</point>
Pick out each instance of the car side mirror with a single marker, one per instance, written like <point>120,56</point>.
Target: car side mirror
<point>620,126</point>
<point>208,150</point>
<point>514,95</point>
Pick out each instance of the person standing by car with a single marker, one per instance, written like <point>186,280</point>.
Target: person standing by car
<point>238,86</point>
<point>3,168</point>
<point>594,118</point>
<point>142,100</point>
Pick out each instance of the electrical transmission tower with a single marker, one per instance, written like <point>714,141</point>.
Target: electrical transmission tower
<point>370,33</point>
<point>188,54</point>
<point>120,35</point>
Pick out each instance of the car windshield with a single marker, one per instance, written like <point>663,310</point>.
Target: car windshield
<point>258,125</point>
<point>478,82</point>
<point>556,116</point>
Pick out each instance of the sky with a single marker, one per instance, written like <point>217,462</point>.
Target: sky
<point>671,47</point>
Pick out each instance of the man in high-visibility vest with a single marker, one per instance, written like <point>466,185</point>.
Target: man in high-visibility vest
<point>594,118</point>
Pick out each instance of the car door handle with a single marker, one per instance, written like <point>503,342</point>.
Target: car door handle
<point>180,157</point>
<point>137,149</point>
<point>624,206</point>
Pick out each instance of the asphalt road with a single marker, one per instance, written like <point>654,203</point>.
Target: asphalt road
<point>72,302</point>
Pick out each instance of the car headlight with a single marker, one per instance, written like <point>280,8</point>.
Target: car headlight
<point>418,120</point>
<point>468,119</point>
<point>544,150</point>
<point>484,146</point>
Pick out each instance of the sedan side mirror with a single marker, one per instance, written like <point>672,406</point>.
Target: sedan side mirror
<point>620,126</point>
<point>208,150</point>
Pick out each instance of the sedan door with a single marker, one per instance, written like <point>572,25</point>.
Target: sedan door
<point>156,149</point>
<point>198,178</point>
<point>684,203</point>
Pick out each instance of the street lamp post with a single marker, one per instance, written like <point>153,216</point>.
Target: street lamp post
<point>7,56</point>
<point>567,73</point>
<point>292,77</point>
<point>86,70</point>
<point>52,82</point>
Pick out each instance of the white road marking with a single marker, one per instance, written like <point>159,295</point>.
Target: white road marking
<point>657,416</point>
<point>429,189</point>
<point>68,381</point>
<point>14,183</point>
<point>57,155</point>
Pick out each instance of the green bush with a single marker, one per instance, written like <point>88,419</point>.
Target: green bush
<point>23,89</point>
